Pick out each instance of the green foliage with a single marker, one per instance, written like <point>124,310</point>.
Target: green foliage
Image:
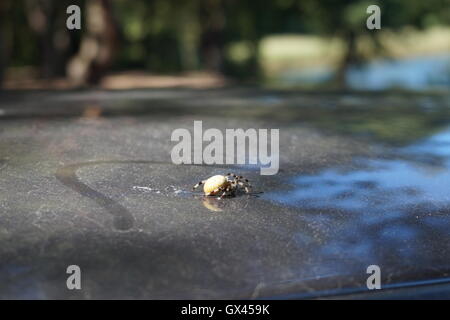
<point>173,36</point>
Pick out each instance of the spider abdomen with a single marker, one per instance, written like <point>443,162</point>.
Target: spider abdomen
<point>224,186</point>
<point>214,184</point>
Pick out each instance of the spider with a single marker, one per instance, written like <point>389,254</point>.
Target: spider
<point>224,186</point>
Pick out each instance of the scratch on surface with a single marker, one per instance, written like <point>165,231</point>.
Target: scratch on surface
<point>3,163</point>
<point>257,290</point>
<point>123,219</point>
<point>290,240</point>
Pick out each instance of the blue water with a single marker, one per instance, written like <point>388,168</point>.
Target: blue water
<point>391,211</point>
<point>417,73</point>
<point>416,175</point>
<point>411,73</point>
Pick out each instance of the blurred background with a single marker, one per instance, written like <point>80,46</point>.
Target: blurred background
<point>86,176</point>
<point>213,43</point>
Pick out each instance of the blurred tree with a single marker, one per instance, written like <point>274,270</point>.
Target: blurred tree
<point>98,44</point>
<point>212,38</point>
<point>170,36</point>
<point>47,19</point>
<point>247,23</point>
<point>3,47</point>
<point>346,19</point>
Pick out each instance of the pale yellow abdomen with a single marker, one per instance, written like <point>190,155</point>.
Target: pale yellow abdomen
<point>214,183</point>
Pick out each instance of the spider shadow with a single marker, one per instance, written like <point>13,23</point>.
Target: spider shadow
<point>218,204</point>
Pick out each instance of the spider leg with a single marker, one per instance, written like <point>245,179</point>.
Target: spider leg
<point>234,186</point>
<point>226,192</point>
<point>214,191</point>
<point>198,184</point>
<point>248,186</point>
<point>244,184</point>
<point>229,174</point>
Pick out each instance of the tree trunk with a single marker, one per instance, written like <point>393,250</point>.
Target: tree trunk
<point>3,45</point>
<point>350,56</point>
<point>2,55</point>
<point>98,44</point>
<point>41,17</point>
<point>212,35</point>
